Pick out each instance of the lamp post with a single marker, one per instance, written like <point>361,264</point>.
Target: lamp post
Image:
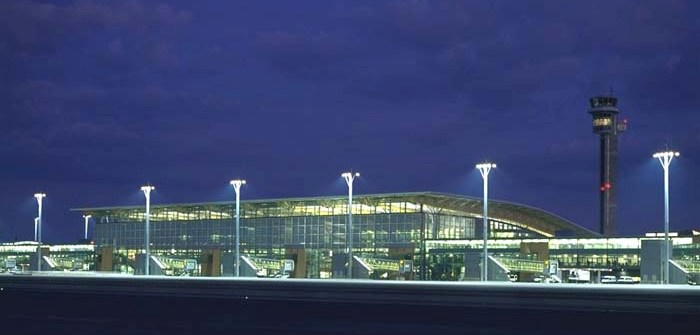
<point>147,192</point>
<point>39,197</point>
<point>36,223</point>
<point>485,168</point>
<point>237,183</point>
<point>349,178</point>
<point>665,159</point>
<point>87,218</point>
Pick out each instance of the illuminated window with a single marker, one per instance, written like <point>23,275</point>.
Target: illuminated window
<point>602,122</point>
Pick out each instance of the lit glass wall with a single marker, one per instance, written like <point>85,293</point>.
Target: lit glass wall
<point>71,257</point>
<point>318,226</point>
<point>268,229</point>
<point>605,254</point>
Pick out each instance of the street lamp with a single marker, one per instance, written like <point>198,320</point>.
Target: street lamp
<point>237,183</point>
<point>485,168</point>
<point>349,178</point>
<point>39,197</point>
<point>87,218</point>
<point>36,223</point>
<point>147,192</point>
<point>665,159</point>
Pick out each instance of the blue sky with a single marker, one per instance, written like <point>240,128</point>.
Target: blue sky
<point>100,97</point>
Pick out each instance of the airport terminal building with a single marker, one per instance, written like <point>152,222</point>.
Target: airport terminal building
<point>415,236</point>
<point>401,236</point>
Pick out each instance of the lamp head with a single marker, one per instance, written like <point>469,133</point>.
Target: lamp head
<point>486,165</point>
<point>39,196</point>
<point>664,154</point>
<point>237,182</point>
<point>87,216</point>
<point>148,188</point>
<point>350,174</point>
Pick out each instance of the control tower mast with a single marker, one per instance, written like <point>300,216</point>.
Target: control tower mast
<point>605,122</point>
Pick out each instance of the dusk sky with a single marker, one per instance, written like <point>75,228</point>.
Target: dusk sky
<point>100,97</point>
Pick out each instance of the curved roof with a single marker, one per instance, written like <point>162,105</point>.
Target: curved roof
<point>527,216</point>
<point>531,218</point>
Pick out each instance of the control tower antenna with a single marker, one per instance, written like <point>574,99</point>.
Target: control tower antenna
<point>605,123</point>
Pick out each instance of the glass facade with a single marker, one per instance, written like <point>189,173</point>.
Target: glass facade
<point>269,228</point>
<point>613,255</point>
<point>436,232</point>
<point>22,256</point>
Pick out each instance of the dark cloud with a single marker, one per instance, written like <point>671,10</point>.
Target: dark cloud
<point>32,27</point>
<point>50,94</point>
<point>461,49</point>
<point>107,94</point>
<point>430,24</point>
<point>304,55</point>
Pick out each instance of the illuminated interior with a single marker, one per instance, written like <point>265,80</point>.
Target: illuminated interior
<point>434,231</point>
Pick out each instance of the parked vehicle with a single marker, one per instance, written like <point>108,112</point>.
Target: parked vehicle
<point>626,280</point>
<point>547,279</point>
<point>608,279</point>
<point>580,276</point>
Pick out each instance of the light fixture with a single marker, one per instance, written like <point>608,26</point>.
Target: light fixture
<point>237,183</point>
<point>39,198</point>
<point>349,178</point>
<point>665,159</point>
<point>485,169</point>
<point>147,192</point>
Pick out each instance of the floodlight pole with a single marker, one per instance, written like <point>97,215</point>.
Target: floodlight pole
<point>39,197</point>
<point>87,218</point>
<point>665,159</point>
<point>349,178</point>
<point>485,168</point>
<point>237,183</point>
<point>147,192</point>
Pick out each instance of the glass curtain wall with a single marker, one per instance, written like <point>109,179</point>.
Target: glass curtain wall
<point>268,229</point>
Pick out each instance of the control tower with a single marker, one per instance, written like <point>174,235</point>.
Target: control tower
<point>605,123</point>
